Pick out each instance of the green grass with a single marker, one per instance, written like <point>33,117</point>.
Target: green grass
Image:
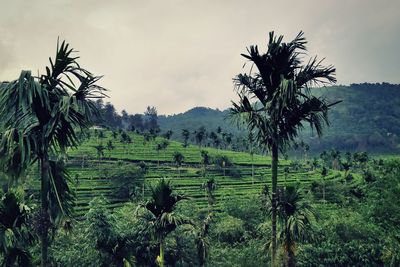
<point>93,173</point>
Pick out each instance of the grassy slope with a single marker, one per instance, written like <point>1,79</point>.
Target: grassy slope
<point>93,173</point>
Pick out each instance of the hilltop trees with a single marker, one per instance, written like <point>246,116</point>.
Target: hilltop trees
<point>200,135</point>
<point>150,121</point>
<point>281,88</point>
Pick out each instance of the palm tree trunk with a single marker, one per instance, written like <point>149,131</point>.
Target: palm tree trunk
<point>45,220</point>
<point>161,256</point>
<point>291,259</point>
<point>274,169</point>
<point>252,168</point>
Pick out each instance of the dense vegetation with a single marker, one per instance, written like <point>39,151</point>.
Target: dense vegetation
<point>373,107</point>
<point>84,186</point>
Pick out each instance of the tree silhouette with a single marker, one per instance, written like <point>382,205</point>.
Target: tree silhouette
<point>14,231</point>
<point>281,88</point>
<point>41,117</point>
<point>185,134</point>
<point>178,159</point>
<point>205,160</point>
<point>199,135</point>
<point>110,147</point>
<point>296,217</point>
<point>162,218</point>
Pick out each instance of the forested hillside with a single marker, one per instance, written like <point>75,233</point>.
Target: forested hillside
<point>367,119</point>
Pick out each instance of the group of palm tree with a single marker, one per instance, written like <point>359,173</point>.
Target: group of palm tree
<point>40,117</point>
<point>201,137</point>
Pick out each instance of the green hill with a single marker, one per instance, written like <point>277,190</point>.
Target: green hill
<point>367,119</point>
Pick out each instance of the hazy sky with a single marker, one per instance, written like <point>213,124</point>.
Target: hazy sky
<point>179,54</point>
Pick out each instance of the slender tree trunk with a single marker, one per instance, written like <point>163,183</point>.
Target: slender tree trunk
<point>286,175</point>
<point>45,216</point>
<point>291,259</point>
<point>274,169</point>
<point>323,188</point>
<point>252,168</point>
<point>161,256</point>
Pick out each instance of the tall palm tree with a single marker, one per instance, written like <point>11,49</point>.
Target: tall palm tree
<point>209,187</point>
<point>324,173</point>
<point>178,159</point>
<point>158,149</point>
<point>110,147</point>
<point>205,160</point>
<point>282,99</point>
<point>335,155</point>
<point>161,217</point>
<point>185,134</point>
<point>100,153</point>
<point>161,146</point>
<point>202,240</point>
<point>200,135</point>
<point>41,117</point>
<point>251,151</point>
<point>296,218</point>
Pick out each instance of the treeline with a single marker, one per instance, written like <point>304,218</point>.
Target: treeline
<point>368,119</point>
<point>108,117</point>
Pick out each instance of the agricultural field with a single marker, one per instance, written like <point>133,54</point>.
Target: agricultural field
<point>244,179</point>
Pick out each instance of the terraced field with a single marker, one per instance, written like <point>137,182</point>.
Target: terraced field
<point>244,179</point>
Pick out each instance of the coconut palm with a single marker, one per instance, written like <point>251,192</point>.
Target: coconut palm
<point>209,187</point>
<point>295,217</point>
<point>158,149</point>
<point>161,216</point>
<point>335,156</point>
<point>251,151</point>
<point>110,147</point>
<point>202,240</point>
<point>282,101</point>
<point>146,139</point>
<point>100,153</point>
<point>324,173</point>
<point>200,135</point>
<point>161,146</point>
<point>178,159</point>
<point>205,160</point>
<point>41,117</point>
<point>185,134</point>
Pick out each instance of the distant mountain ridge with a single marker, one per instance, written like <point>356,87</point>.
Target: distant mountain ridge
<point>367,119</point>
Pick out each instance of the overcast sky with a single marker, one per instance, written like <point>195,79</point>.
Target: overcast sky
<point>176,55</point>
